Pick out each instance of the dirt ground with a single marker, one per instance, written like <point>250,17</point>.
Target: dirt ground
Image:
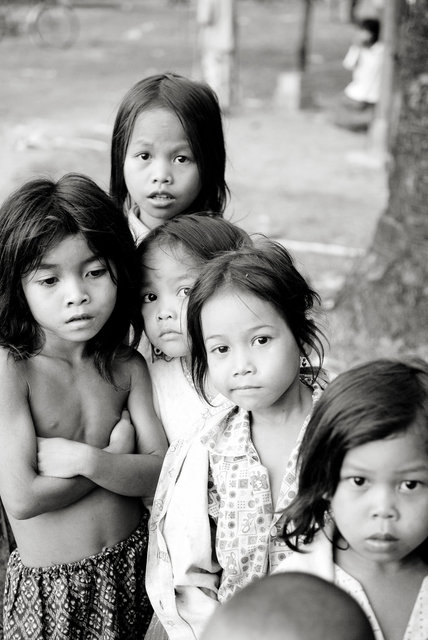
<point>292,174</point>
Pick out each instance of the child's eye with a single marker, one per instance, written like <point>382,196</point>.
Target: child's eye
<point>181,159</point>
<point>149,297</point>
<point>144,156</point>
<point>221,349</point>
<point>183,292</point>
<point>358,481</point>
<point>48,282</point>
<point>409,485</point>
<point>97,273</point>
<point>261,340</point>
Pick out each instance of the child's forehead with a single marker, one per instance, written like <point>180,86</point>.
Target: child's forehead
<point>65,248</point>
<point>168,261</point>
<point>173,253</point>
<point>404,448</point>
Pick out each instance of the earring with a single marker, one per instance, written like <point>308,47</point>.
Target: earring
<point>156,353</point>
<point>303,362</point>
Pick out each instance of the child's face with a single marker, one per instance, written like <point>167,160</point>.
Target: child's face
<point>160,170</point>
<point>381,502</point>
<point>71,294</point>
<point>166,285</point>
<point>253,358</point>
<point>364,37</point>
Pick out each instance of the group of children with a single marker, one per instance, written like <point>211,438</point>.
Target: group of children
<point>144,319</point>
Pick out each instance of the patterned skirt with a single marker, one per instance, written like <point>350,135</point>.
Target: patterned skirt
<point>102,597</point>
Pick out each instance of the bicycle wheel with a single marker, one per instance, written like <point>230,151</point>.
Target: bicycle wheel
<point>56,26</point>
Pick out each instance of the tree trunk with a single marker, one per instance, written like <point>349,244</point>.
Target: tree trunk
<point>383,306</point>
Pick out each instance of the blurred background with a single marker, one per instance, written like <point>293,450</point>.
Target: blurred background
<point>293,172</point>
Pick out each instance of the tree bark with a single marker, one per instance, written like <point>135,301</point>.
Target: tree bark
<point>383,306</point>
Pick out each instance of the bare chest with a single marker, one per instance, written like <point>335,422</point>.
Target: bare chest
<point>75,404</point>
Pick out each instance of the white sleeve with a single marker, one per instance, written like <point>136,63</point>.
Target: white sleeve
<point>182,572</point>
<point>351,58</point>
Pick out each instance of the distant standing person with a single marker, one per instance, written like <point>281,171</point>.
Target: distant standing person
<point>217,45</point>
<point>365,59</point>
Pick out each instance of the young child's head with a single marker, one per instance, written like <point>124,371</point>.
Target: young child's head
<point>364,461</point>
<point>289,606</point>
<point>172,256</point>
<point>168,152</point>
<point>39,223</point>
<point>254,296</point>
<point>368,31</point>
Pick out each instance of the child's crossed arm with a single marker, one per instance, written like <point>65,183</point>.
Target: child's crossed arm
<point>25,493</point>
<point>130,473</point>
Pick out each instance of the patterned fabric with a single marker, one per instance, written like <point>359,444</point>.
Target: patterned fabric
<point>100,597</point>
<point>7,544</point>
<point>195,506</point>
<point>248,524</point>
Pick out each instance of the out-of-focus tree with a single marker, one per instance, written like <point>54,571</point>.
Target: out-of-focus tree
<point>383,307</point>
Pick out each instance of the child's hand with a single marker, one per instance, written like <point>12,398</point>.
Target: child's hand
<point>59,457</point>
<point>122,438</point>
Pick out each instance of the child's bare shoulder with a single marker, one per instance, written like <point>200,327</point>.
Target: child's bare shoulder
<point>133,362</point>
<point>11,371</point>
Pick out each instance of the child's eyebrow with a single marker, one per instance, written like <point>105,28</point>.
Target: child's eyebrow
<point>53,265</point>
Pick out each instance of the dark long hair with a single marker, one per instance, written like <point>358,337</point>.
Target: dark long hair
<point>376,400</point>
<point>196,106</point>
<point>34,219</point>
<point>202,235</point>
<point>267,271</point>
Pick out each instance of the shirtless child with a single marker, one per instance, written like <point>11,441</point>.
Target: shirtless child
<point>69,293</point>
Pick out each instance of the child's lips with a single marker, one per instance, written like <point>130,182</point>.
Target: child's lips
<point>161,195</point>
<point>79,318</point>
<point>170,333</point>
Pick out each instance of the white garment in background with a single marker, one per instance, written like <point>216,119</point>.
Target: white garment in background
<point>366,65</point>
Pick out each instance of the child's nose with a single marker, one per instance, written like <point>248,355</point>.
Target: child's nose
<point>161,172</point>
<point>383,503</point>
<point>243,363</point>
<point>166,312</point>
<point>76,293</point>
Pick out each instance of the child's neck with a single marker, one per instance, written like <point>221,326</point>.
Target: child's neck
<point>295,404</point>
<point>70,352</point>
<point>275,431</point>
<point>391,588</point>
<point>186,365</point>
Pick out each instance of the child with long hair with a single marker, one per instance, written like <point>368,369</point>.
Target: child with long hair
<point>172,256</point>
<point>168,153</point>
<point>70,481</point>
<point>218,525</point>
<point>361,515</point>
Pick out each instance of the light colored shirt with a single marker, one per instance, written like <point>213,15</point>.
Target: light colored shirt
<point>248,540</point>
<point>138,229</point>
<point>318,559</point>
<point>217,24</point>
<point>178,406</point>
<point>366,65</point>
<point>213,488</point>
